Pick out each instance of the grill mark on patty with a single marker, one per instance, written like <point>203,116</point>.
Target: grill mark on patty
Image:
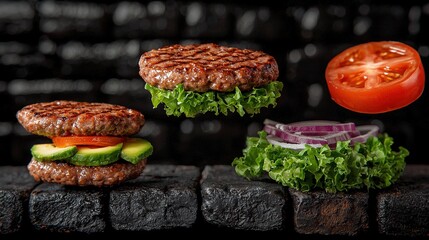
<point>49,110</point>
<point>65,118</point>
<point>239,60</point>
<point>203,67</point>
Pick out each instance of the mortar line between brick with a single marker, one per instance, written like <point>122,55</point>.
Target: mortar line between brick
<point>26,224</point>
<point>288,213</point>
<point>105,208</point>
<point>372,213</point>
<point>199,222</point>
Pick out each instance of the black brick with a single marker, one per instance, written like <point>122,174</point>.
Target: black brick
<point>324,213</point>
<point>59,208</point>
<point>403,210</point>
<point>65,20</point>
<point>15,187</point>
<point>234,202</point>
<point>156,19</point>
<point>16,20</point>
<point>163,197</point>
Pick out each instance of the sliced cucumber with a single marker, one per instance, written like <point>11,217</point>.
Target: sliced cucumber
<point>136,149</point>
<point>96,156</point>
<point>48,152</point>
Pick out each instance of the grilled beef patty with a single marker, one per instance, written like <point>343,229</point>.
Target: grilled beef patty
<point>67,174</point>
<point>67,118</point>
<point>204,67</point>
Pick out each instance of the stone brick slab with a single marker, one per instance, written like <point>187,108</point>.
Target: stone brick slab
<point>58,208</point>
<point>324,213</point>
<point>163,197</point>
<point>231,201</point>
<point>15,187</point>
<point>403,209</point>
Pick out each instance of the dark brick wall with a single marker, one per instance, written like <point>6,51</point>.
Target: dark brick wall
<point>15,188</point>
<point>231,201</point>
<point>58,208</point>
<point>403,210</point>
<point>330,214</point>
<point>164,197</point>
<point>184,200</point>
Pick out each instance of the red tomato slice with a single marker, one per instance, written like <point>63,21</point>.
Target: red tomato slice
<point>98,141</point>
<point>376,77</point>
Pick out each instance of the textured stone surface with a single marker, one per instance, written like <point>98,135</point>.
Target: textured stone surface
<point>163,197</point>
<point>166,197</point>
<point>403,209</point>
<point>58,208</point>
<point>234,202</point>
<point>324,213</point>
<point>15,187</point>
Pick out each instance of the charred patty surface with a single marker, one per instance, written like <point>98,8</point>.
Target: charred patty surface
<point>67,174</point>
<point>67,118</point>
<point>204,67</point>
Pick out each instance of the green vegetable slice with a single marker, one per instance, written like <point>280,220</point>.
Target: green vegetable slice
<point>86,156</point>
<point>370,165</point>
<point>136,149</point>
<point>178,101</point>
<point>48,152</point>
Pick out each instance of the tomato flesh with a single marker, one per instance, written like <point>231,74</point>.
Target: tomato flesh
<point>90,141</point>
<point>376,77</point>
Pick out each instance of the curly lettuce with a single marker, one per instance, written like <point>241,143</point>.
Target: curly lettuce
<point>179,101</point>
<point>370,165</point>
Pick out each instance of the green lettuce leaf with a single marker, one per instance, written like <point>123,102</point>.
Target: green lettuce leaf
<point>178,101</point>
<point>370,165</point>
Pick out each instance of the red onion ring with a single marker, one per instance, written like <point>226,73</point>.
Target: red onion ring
<point>316,133</point>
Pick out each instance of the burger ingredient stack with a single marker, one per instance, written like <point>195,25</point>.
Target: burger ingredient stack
<point>325,155</point>
<point>198,78</point>
<point>91,142</point>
